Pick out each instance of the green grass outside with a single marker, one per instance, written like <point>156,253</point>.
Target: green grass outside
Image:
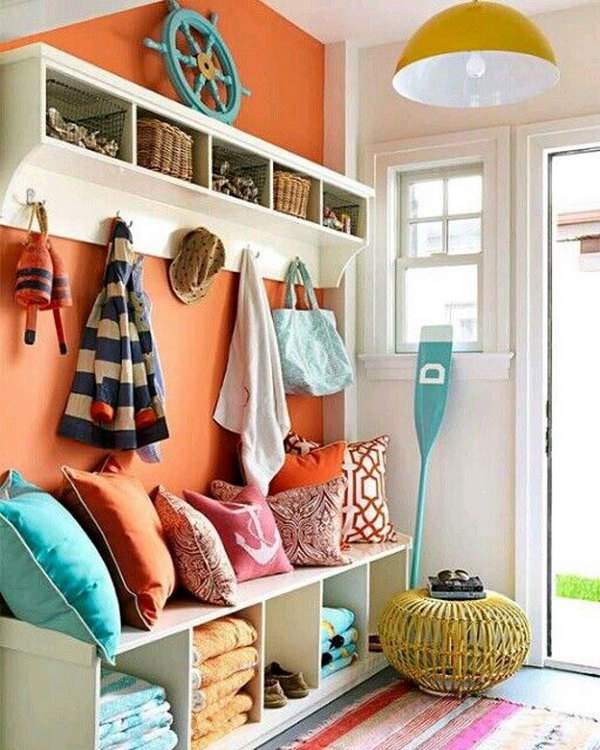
<point>578,587</point>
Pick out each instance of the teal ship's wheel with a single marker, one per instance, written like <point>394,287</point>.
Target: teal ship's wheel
<point>204,75</point>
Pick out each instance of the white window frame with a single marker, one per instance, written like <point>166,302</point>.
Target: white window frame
<point>405,261</point>
<point>489,147</point>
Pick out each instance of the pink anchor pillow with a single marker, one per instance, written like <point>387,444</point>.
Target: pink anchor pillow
<point>248,531</point>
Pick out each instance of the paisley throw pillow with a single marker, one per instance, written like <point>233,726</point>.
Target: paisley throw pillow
<point>309,520</point>
<point>200,558</point>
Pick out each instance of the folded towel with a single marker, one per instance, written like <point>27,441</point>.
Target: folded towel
<point>162,720</point>
<point>223,666</point>
<point>220,636</point>
<point>204,697</point>
<point>157,739</point>
<point>342,639</point>
<point>213,718</point>
<point>335,620</point>
<point>130,719</point>
<point>335,666</point>
<point>122,693</point>
<point>337,653</point>
<point>236,721</point>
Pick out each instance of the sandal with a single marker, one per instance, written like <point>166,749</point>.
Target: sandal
<point>292,683</point>
<point>274,695</point>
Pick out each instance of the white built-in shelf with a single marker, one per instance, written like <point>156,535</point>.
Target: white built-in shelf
<point>83,188</point>
<point>54,672</point>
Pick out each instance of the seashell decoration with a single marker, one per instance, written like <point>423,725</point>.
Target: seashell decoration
<point>238,185</point>
<point>78,135</point>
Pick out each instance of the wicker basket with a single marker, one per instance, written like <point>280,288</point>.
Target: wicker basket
<point>164,148</point>
<point>291,193</point>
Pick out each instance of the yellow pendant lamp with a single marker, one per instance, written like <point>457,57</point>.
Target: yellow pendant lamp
<point>476,54</point>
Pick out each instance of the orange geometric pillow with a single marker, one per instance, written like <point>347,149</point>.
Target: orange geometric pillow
<point>366,512</point>
<point>319,466</point>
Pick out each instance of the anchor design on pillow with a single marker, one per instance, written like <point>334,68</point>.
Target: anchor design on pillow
<point>267,550</point>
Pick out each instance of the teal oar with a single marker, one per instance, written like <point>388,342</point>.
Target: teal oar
<point>431,390</point>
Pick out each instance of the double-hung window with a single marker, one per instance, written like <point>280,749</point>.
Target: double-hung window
<point>439,265</point>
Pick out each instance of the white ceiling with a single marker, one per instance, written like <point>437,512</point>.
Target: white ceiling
<point>371,22</point>
<point>367,22</point>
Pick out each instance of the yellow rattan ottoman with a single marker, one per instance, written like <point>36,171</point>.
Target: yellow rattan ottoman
<point>454,647</point>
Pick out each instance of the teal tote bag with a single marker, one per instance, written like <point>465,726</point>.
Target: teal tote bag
<point>313,358</point>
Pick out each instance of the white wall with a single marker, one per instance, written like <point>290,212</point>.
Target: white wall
<point>470,509</point>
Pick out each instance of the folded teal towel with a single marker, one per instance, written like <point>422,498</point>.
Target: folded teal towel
<point>335,620</point>
<point>121,694</point>
<point>158,739</point>
<point>130,719</point>
<point>342,639</point>
<point>337,653</point>
<point>145,724</point>
<point>335,666</point>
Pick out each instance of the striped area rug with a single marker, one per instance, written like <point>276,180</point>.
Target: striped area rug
<point>399,717</point>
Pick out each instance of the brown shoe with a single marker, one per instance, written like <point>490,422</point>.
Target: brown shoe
<point>292,683</point>
<point>274,695</point>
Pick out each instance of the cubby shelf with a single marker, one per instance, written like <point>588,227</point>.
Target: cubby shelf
<point>55,672</point>
<point>90,182</point>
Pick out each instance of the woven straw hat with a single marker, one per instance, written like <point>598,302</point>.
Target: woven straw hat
<point>200,257</point>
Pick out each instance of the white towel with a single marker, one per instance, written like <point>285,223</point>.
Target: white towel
<point>252,399</point>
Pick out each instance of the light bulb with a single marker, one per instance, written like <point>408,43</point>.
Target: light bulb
<point>475,65</point>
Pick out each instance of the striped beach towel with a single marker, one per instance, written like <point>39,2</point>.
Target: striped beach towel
<point>116,365</point>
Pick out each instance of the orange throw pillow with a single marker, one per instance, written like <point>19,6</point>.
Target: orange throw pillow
<point>317,467</point>
<point>119,517</point>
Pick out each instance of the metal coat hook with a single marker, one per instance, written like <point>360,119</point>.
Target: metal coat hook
<point>129,224</point>
<point>256,254</point>
<point>30,198</point>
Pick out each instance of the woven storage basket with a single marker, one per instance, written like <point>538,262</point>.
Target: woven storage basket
<point>164,148</point>
<point>291,193</point>
<point>454,647</point>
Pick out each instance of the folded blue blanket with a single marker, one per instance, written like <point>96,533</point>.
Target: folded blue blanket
<point>158,739</point>
<point>338,653</point>
<point>161,720</point>
<point>335,666</point>
<point>335,620</point>
<point>133,718</point>
<point>121,693</point>
<point>342,639</point>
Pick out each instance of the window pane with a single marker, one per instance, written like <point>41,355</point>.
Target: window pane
<point>438,296</point>
<point>464,194</point>
<point>464,236</point>
<point>426,199</point>
<point>425,238</point>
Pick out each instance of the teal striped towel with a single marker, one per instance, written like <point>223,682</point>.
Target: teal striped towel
<point>335,666</point>
<point>121,693</point>
<point>133,718</point>
<point>337,653</point>
<point>334,620</point>
<point>157,739</point>
<point>160,720</point>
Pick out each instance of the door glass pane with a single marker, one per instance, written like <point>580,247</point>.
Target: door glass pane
<point>464,194</point>
<point>438,296</point>
<point>464,236</point>
<point>425,238</point>
<point>426,198</point>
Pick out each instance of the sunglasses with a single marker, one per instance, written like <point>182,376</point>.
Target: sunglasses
<point>453,575</point>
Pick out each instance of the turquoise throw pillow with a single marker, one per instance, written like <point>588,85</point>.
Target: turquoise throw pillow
<point>51,575</point>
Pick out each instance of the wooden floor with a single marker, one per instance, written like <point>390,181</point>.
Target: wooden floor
<point>545,688</point>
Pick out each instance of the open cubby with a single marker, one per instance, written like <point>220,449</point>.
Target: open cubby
<point>233,166</point>
<point>313,213</point>
<point>87,116</point>
<point>342,202</point>
<point>350,589</point>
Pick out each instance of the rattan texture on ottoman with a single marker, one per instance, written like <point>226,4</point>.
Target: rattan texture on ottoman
<point>454,647</point>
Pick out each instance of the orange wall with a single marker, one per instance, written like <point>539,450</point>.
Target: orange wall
<point>284,68</point>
